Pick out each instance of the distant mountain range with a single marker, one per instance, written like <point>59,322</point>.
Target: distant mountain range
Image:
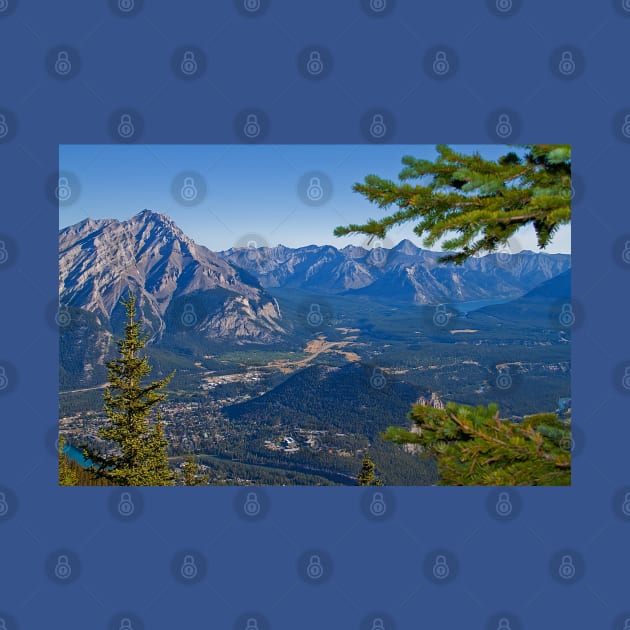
<point>403,273</point>
<point>183,287</point>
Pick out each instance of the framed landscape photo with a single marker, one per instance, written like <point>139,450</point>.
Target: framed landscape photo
<point>315,315</point>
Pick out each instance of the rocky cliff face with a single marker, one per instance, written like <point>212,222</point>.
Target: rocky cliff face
<point>180,286</point>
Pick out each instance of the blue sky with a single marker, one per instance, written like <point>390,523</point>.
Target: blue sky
<point>252,192</point>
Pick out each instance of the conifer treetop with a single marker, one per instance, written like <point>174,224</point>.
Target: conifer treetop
<point>479,204</point>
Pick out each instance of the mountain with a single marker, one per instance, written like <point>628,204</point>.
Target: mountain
<point>545,303</point>
<point>181,286</point>
<point>403,273</point>
<point>333,398</point>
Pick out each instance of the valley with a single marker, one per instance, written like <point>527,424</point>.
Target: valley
<point>290,364</point>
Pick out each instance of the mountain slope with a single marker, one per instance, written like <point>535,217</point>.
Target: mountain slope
<point>181,286</point>
<point>339,398</point>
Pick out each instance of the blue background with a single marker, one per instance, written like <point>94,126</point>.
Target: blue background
<point>500,62</point>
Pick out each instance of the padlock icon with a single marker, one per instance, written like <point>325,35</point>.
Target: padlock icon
<point>252,126</point>
<point>378,253</point>
<point>504,379</point>
<point>440,316</point>
<point>315,570</point>
<point>189,317</point>
<point>441,64</point>
<point>566,570</point>
<point>504,5</point>
<point>4,254</point>
<point>504,126</point>
<point>63,66</point>
<point>567,63</point>
<point>189,568</point>
<point>378,5</point>
<point>63,191</point>
<point>504,624</point>
<point>315,191</point>
<point>4,128</point>
<point>63,317</point>
<point>315,65</point>
<point>251,5</point>
<point>189,191</point>
<point>625,255</point>
<point>125,505</point>
<point>125,624</point>
<point>378,128</point>
<point>251,507</point>
<point>189,64</point>
<point>504,504</point>
<point>377,380</point>
<point>4,506</point>
<point>378,624</point>
<point>566,317</point>
<point>252,250</point>
<point>378,507</point>
<point>63,570</point>
<point>126,5</point>
<point>625,381</point>
<point>504,256</point>
<point>625,506</point>
<point>315,317</point>
<point>252,624</point>
<point>126,128</point>
<point>4,379</point>
<point>441,570</point>
<point>625,128</point>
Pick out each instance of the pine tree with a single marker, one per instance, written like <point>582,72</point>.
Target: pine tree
<point>480,203</point>
<point>474,446</point>
<point>67,475</point>
<point>367,476</point>
<point>191,473</point>
<point>139,456</point>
